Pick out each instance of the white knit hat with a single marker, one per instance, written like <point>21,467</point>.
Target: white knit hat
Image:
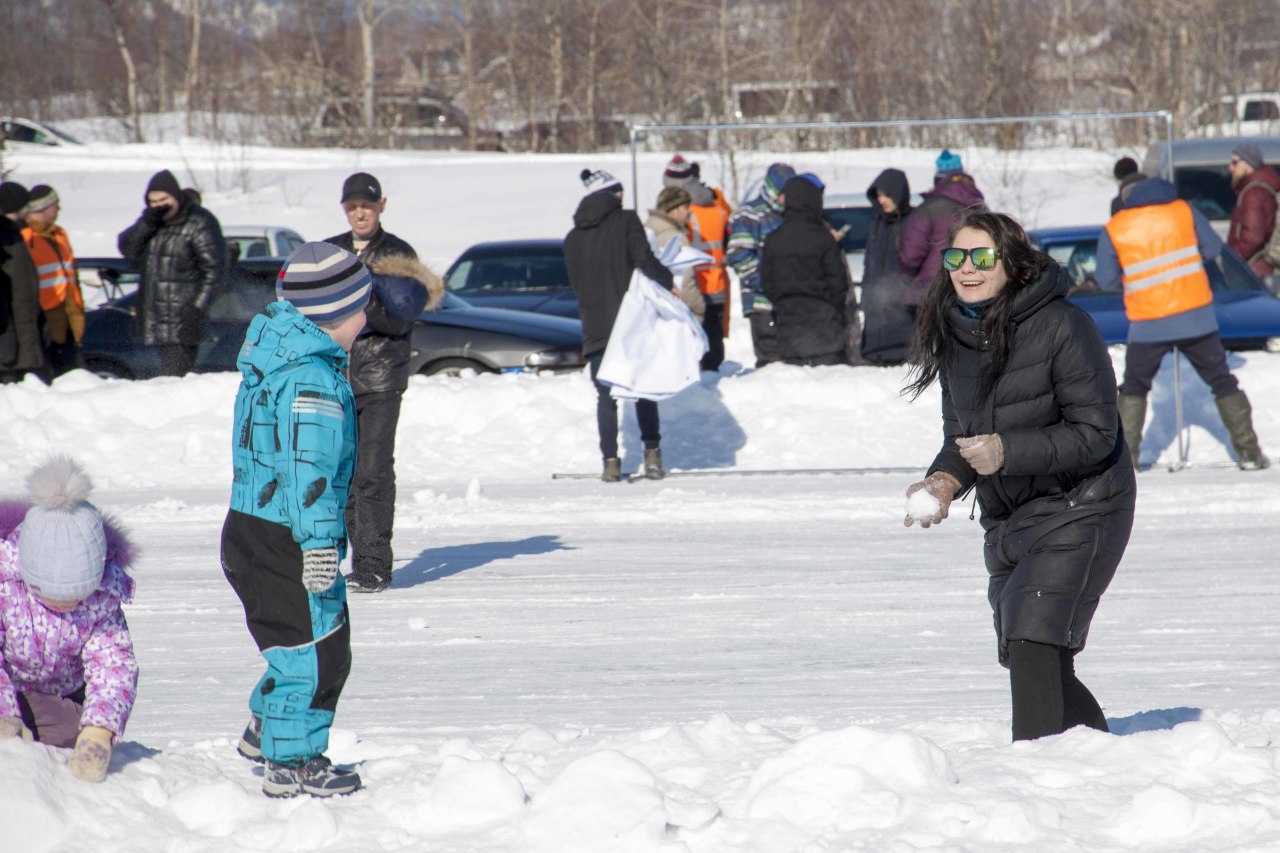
<point>62,549</point>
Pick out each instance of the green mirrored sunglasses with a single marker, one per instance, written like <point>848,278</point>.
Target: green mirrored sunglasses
<point>984,258</point>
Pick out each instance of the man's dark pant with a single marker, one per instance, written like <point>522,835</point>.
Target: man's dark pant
<point>764,338</point>
<point>371,509</point>
<point>713,325</point>
<point>1206,354</point>
<point>176,359</point>
<point>607,415</point>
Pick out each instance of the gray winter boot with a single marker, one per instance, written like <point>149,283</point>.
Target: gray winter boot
<point>1237,416</point>
<point>653,464</point>
<point>612,470</point>
<point>1133,414</point>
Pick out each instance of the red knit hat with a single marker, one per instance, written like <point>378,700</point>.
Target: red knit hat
<point>679,168</point>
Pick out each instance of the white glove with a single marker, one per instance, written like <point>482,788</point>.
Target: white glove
<point>319,569</point>
<point>92,755</point>
<point>13,727</point>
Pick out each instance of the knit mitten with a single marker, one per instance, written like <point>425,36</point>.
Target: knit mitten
<point>92,754</point>
<point>13,727</point>
<point>319,569</point>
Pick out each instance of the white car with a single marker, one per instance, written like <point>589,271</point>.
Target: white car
<point>24,131</point>
<point>263,241</point>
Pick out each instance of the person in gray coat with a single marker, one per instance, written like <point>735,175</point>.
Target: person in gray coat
<point>1030,421</point>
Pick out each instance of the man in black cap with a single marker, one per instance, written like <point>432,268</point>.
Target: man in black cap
<point>379,374</point>
<point>21,343</point>
<point>1127,175</point>
<point>178,248</point>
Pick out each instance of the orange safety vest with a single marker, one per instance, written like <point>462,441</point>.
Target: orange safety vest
<point>708,229</point>
<point>1160,255</point>
<point>56,265</point>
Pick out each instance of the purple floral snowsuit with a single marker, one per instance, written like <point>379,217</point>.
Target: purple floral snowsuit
<point>61,654</point>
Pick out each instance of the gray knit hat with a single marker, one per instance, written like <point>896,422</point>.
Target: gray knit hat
<point>62,549</point>
<point>1249,153</point>
<point>326,284</point>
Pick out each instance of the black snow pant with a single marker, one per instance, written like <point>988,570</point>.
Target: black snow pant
<point>713,325</point>
<point>176,359</point>
<point>371,508</point>
<point>886,335</point>
<point>607,415</point>
<point>764,338</point>
<point>1206,354</point>
<point>1048,699</point>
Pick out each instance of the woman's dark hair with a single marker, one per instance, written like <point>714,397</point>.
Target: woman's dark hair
<point>932,344</point>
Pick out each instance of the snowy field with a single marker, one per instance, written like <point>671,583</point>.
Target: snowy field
<point>761,664</point>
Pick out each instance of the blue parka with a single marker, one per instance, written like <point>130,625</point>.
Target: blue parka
<point>294,446</point>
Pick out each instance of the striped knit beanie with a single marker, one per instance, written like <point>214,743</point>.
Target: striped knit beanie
<point>41,196</point>
<point>326,284</point>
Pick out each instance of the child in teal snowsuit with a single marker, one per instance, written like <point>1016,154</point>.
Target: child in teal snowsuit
<point>294,453</point>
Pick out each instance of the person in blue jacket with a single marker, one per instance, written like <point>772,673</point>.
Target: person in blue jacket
<point>294,455</point>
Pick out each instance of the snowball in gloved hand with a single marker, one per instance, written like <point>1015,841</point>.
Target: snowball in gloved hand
<point>922,506</point>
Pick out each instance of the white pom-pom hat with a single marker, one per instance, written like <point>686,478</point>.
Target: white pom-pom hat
<point>62,549</point>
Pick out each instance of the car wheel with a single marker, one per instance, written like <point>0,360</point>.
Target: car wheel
<point>108,369</point>
<point>454,367</point>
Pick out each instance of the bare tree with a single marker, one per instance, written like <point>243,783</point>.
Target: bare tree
<point>193,64</point>
<point>115,11</point>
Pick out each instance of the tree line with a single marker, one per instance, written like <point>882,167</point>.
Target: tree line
<point>568,75</point>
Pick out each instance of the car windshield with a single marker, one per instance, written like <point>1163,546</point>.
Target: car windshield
<point>62,134</point>
<point>525,272</point>
<point>1208,188</point>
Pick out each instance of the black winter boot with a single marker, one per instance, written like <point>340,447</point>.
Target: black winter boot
<point>1133,413</point>
<point>653,464</point>
<point>1237,416</point>
<point>612,470</point>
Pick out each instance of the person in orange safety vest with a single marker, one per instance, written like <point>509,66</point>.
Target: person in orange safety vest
<point>60,296</point>
<point>708,232</point>
<point>1155,249</point>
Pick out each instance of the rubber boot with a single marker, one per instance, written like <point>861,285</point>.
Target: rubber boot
<point>1133,414</point>
<point>653,464</point>
<point>1237,416</point>
<point>612,470</point>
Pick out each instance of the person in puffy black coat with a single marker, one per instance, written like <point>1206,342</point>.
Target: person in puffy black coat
<point>179,250</point>
<point>607,244</point>
<point>379,373</point>
<point>1030,417</point>
<point>803,273</point>
<point>887,333</point>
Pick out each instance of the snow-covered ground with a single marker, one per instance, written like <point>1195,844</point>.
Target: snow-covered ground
<point>703,664</point>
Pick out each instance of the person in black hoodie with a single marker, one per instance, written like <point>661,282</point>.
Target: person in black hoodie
<point>887,330</point>
<point>1029,418</point>
<point>379,373</point>
<point>21,320</point>
<point>605,246</point>
<point>803,273</point>
<point>178,248</point>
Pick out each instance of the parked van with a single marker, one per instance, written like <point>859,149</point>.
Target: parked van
<point>1199,171</point>
<point>1248,113</point>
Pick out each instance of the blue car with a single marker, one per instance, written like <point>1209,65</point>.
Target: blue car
<point>1248,313</point>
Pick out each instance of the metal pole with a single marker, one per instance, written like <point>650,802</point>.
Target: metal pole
<point>1168,145</point>
<point>1177,411</point>
<point>635,187</point>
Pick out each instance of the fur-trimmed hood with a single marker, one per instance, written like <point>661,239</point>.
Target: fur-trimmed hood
<point>400,266</point>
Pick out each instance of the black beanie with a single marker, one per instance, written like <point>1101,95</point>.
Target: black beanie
<point>13,197</point>
<point>164,182</point>
<point>1124,167</point>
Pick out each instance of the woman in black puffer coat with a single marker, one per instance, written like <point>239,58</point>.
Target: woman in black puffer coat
<point>1029,417</point>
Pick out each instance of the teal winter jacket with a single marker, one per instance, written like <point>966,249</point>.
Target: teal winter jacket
<point>294,445</point>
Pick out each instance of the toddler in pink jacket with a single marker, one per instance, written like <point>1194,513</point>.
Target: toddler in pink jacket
<point>68,677</point>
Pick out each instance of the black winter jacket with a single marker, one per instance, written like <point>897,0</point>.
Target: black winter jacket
<point>380,356</point>
<point>21,320</point>
<point>803,272</point>
<point>880,262</point>
<point>1058,514</point>
<point>605,246</point>
<point>183,263</point>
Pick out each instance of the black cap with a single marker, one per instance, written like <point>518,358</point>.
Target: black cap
<point>361,185</point>
<point>13,197</point>
<point>164,182</point>
<point>1124,167</point>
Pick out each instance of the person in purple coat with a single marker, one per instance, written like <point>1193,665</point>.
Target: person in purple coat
<point>68,677</point>
<point>928,228</point>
